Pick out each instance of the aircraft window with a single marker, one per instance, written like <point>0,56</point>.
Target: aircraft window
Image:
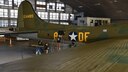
<point>91,21</point>
<point>103,22</point>
<point>96,23</point>
<point>106,21</point>
<point>99,22</point>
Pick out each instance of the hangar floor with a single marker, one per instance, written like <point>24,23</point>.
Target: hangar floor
<point>18,51</point>
<point>102,56</point>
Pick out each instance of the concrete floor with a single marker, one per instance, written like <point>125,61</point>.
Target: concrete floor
<point>102,56</point>
<point>18,51</point>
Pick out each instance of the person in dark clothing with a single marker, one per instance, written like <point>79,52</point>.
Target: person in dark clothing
<point>58,43</point>
<point>58,40</point>
<point>46,48</point>
<point>39,48</point>
<point>73,43</point>
<point>40,43</point>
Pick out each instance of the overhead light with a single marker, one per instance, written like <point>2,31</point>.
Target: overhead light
<point>57,0</point>
<point>97,4</point>
<point>80,6</point>
<point>115,1</point>
<point>119,11</point>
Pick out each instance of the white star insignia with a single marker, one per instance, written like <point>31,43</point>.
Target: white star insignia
<point>73,36</point>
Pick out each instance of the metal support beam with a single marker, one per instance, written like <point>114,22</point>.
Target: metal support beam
<point>10,42</point>
<point>46,9</point>
<point>55,5</point>
<point>35,5</point>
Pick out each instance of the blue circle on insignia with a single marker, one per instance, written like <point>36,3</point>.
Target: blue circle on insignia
<point>73,36</point>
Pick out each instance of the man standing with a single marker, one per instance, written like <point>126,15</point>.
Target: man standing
<point>58,43</point>
<point>46,47</point>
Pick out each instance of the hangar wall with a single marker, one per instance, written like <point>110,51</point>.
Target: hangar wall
<point>53,11</point>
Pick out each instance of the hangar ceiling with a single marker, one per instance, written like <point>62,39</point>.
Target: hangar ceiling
<point>115,9</point>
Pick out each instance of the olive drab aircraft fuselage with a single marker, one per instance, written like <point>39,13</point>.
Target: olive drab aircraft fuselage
<point>29,21</point>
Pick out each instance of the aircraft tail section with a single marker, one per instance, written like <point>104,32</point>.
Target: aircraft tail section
<point>27,18</point>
